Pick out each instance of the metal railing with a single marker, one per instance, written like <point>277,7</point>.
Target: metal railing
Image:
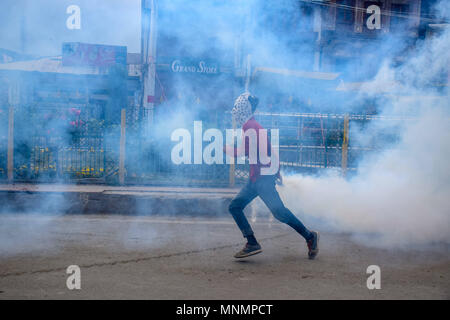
<point>89,152</point>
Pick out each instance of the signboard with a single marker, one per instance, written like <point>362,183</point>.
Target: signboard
<point>179,66</point>
<point>92,55</point>
<point>189,66</point>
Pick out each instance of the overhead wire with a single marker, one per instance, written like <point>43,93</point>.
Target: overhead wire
<point>383,12</point>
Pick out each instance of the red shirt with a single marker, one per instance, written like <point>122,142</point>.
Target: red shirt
<point>255,169</point>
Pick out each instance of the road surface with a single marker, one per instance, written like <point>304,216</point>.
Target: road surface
<point>138,257</point>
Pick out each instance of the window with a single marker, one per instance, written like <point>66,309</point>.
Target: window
<point>345,13</point>
<point>399,17</point>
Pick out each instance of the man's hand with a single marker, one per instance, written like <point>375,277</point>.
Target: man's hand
<point>234,152</point>
<point>229,150</point>
<point>279,180</point>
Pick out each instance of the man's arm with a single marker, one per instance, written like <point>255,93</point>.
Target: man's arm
<point>242,150</point>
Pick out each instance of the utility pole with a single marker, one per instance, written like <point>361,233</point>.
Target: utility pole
<point>148,59</point>
<point>248,73</point>
<point>23,40</point>
<point>318,29</point>
<point>345,145</point>
<point>13,101</point>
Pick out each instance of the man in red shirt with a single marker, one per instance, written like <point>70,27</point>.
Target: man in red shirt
<point>262,181</point>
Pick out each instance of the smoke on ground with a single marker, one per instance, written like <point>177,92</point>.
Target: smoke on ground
<point>400,195</point>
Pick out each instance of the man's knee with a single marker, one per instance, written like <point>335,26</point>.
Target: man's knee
<point>282,214</point>
<point>234,206</point>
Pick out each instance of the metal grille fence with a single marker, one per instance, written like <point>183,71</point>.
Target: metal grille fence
<point>89,150</point>
<point>59,144</point>
<point>307,141</point>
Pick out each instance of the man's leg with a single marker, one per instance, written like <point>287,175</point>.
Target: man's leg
<point>237,205</point>
<point>269,195</point>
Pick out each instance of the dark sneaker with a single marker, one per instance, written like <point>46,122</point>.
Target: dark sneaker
<point>248,250</point>
<point>313,245</point>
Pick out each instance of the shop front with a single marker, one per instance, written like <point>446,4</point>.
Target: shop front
<point>202,89</point>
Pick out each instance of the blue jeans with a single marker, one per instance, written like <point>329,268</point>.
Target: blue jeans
<point>264,187</point>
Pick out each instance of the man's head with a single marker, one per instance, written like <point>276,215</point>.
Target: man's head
<point>244,107</point>
<point>254,102</point>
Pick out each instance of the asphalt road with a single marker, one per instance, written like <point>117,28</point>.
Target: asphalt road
<point>126,257</point>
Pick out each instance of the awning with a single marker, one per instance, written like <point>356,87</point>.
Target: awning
<point>370,87</point>
<point>298,73</point>
<point>52,65</point>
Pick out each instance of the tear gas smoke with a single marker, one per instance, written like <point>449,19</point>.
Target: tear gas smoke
<point>400,194</point>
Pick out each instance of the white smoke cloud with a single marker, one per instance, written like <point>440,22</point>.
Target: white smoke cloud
<point>401,195</point>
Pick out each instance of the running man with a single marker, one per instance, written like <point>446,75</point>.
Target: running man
<point>260,185</point>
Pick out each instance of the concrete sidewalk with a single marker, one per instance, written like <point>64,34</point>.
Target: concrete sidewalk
<point>129,200</point>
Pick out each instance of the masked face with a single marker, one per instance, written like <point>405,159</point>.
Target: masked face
<point>242,110</point>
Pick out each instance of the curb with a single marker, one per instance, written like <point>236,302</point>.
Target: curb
<point>111,202</point>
